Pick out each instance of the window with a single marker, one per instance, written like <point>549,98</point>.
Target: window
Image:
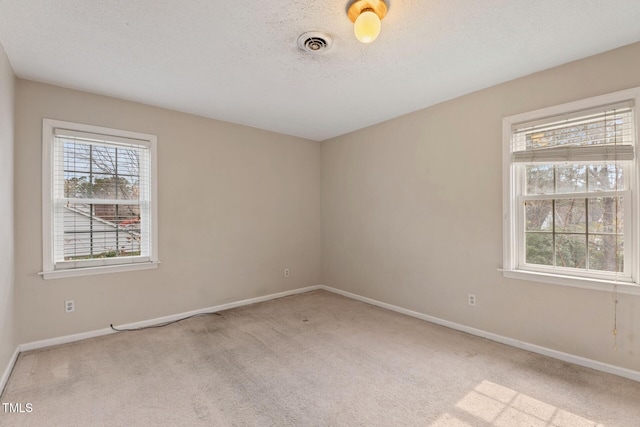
<point>570,178</point>
<point>99,200</point>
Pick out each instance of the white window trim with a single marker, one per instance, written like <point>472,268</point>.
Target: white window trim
<point>48,271</point>
<point>510,200</point>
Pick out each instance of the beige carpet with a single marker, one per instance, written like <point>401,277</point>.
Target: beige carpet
<point>315,359</point>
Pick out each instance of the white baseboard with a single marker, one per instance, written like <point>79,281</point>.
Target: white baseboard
<point>577,360</point>
<point>7,371</point>
<point>34,345</point>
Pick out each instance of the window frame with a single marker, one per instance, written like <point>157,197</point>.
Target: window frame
<point>113,265</point>
<point>513,213</point>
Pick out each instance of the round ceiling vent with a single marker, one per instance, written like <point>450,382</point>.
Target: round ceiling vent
<point>314,42</point>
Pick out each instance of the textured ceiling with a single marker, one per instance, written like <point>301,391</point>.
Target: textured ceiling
<point>238,61</point>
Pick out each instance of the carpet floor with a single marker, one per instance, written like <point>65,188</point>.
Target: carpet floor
<point>314,359</point>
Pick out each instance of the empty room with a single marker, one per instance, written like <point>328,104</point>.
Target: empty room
<point>320,213</point>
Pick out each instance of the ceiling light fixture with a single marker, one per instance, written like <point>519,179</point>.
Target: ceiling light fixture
<point>366,16</point>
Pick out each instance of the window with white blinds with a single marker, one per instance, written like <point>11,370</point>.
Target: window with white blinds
<point>99,199</point>
<point>570,174</point>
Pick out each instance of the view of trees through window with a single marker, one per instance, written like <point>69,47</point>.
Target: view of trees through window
<point>99,182</point>
<point>579,222</point>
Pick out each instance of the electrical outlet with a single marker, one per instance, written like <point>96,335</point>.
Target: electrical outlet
<point>472,300</point>
<point>286,272</point>
<point>69,306</point>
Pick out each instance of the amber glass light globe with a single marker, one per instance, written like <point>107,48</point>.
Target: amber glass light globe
<point>367,26</point>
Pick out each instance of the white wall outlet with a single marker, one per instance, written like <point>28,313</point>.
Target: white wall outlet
<point>472,299</point>
<point>286,272</point>
<point>69,306</point>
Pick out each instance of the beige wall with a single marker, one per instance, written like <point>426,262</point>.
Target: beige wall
<point>412,214</point>
<point>8,342</point>
<point>236,206</point>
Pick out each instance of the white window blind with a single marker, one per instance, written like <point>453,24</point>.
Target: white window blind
<point>101,198</point>
<point>601,134</point>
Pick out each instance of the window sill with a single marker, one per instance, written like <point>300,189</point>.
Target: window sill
<point>92,271</point>
<point>628,288</point>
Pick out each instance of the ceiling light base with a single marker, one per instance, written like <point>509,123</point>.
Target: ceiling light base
<point>379,7</point>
